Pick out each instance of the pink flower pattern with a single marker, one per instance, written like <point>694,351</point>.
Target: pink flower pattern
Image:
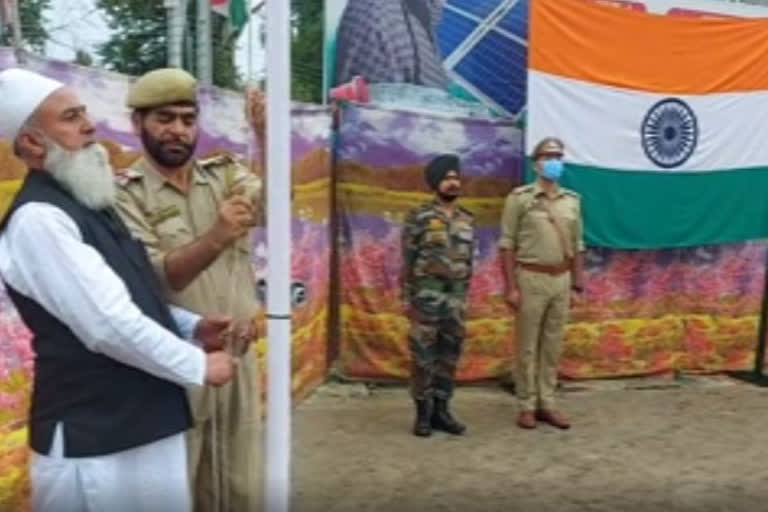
<point>625,291</point>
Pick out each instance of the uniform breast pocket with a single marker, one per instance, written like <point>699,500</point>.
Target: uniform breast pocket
<point>569,221</point>
<point>538,216</point>
<point>535,221</point>
<point>173,232</point>
<point>435,237</point>
<point>463,240</point>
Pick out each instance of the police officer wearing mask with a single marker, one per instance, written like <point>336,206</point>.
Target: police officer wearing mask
<point>542,252</point>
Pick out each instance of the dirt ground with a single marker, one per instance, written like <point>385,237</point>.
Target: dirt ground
<point>694,445</point>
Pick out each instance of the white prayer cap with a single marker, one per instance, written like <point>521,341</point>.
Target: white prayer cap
<point>21,92</point>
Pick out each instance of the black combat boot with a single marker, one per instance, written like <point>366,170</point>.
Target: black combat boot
<point>442,419</point>
<point>422,427</point>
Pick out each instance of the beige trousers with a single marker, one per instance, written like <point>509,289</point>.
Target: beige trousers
<point>225,445</point>
<point>541,320</point>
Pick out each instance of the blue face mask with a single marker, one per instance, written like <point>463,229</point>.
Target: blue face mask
<point>552,169</point>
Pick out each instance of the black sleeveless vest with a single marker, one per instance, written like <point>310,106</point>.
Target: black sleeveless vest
<point>105,406</point>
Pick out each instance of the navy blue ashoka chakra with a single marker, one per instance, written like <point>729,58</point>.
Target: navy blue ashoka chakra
<point>669,133</point>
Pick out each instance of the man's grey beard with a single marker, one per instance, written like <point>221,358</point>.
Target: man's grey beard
<point>86,173</point>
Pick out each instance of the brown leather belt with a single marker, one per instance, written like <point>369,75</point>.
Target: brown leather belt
<point>553,270</point>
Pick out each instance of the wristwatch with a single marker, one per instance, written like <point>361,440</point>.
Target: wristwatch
<point>577,288</point>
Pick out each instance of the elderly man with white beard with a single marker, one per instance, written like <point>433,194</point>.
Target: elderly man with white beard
<point>108,410</point>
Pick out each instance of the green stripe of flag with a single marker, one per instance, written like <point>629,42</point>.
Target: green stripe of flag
<point>654,210</point>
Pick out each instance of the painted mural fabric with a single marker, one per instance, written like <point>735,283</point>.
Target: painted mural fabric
<point>390,41</point>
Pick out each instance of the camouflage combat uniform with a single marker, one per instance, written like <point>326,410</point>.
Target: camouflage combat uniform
<point>437,259</point>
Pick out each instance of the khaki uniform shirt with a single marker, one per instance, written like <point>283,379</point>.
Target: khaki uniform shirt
<point>165,218</point>
<point>526,226</point>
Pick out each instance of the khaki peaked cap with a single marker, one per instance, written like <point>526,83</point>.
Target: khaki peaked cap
<point>162,87</point>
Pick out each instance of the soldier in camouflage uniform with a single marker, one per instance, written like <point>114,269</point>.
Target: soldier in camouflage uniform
<point>438,244</point>
<point>194,217</point>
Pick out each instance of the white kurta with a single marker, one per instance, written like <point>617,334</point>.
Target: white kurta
<point>43,256</point>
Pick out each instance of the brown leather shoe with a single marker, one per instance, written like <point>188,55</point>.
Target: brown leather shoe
<point>526,420</point>
<point>554,418</point>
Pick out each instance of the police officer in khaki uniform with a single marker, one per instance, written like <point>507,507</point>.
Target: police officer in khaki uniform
<point>542,252</point>
<point>194,217</point>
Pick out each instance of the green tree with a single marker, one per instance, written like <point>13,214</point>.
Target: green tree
<point>33,33</point>
<point>139,36</point>
<point>307,50</point>
<point>223,42</point>
<point>139,40</point>
<point>83,58</point>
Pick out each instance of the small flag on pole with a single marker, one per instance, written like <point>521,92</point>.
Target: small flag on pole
<point>235,10</point>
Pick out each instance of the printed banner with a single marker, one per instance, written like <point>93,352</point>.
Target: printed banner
<point>469,49</point>
<point>311,249</point>
<point>381,154</point>
<point>645,311</point>
<point>223,129</point>
<point>432,44</point>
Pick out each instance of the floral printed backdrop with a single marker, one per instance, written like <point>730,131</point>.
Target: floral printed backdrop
<point>645,312</point>
<point>311,251</point>
<point>223,129</point>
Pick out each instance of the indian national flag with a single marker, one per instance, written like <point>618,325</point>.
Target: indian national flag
<point>665,121</point>
<point>235,10</point>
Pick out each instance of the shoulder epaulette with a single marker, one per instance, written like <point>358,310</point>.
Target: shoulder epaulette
<point>522,189</point>
<point>466,212</point>
<point>125,176</point>
<point>419,211</point>
<point>423,207</point>
<point>217,161</point>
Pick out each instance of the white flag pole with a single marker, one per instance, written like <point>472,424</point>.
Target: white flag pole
<point>278,438</point>
<point>176,22</point>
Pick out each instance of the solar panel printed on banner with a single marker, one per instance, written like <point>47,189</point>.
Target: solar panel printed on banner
<point>483,44</point>
<point>515,20</point>
<point>454,30</point>
<point>484,47</point>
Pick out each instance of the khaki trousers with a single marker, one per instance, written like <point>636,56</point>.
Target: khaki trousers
<point>541,319</point>
<point>224,447</point>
